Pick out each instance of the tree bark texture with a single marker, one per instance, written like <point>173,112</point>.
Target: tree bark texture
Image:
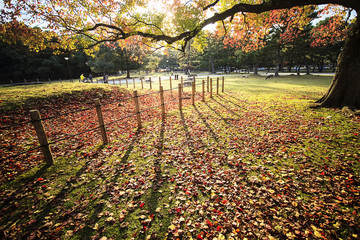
<point>345,87</point>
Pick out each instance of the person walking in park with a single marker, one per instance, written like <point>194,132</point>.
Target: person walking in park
<point>90,78</point>
<point>82,77</point>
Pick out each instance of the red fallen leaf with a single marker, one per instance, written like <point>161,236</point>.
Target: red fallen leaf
<point>354,212</point>
<point>322,173</point>
<point>142,205</point>
<point>209,223</point>
<point>218,228</point>
<point>40,179</point>
<point>199,236</point>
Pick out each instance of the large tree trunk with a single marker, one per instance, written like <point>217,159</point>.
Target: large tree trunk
<point>256,66</point>
<point>212,64</point>
<point>277,67</point>
<point>345,87</point>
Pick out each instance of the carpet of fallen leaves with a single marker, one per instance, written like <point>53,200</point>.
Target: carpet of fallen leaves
<point>229,168</point>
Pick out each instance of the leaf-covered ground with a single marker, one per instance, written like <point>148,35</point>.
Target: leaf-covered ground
<point>233,167</point>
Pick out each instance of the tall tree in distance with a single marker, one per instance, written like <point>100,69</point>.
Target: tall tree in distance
<point>115,57</point>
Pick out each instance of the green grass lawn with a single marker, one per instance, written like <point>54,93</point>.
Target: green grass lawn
<point>254,162</point>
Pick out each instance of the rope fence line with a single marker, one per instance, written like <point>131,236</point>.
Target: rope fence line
<point>36,119</point>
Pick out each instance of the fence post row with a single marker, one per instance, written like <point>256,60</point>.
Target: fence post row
<point>101,121</point>
<point>43,140</point>
<point>137,109</point>
<point>162,103</point>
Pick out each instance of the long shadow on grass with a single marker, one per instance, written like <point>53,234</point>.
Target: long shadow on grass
<point>51,205</point>
<point>227,108</point>
<point>153,200</point>
<point>227,100</point>
<point>21,185</point>
<point>190,141</point>
<point>230,95</point>
<point>218,114</point>
<point>88,232</point>
<point>213,134</point>
<point>131,147</point>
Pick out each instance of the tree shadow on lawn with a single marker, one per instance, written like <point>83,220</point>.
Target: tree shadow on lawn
<point>227,108</point>
<point>152,201</point>
<point>227,100</point>
<point>221,117</point>
<point>99,203</point>
<point>58,200</point>
<point>201,116</point>
<point>190,142</point>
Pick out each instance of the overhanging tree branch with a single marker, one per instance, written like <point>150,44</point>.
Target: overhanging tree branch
<point>241,7</point>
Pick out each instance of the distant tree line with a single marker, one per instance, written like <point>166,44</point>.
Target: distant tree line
<point>18,63</point>
<point>214,54</point>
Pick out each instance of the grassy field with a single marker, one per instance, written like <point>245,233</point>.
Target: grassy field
<point>254,162</point>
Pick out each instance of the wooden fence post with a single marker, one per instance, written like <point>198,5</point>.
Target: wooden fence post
<point>180,97</point>
<point>203,90</point>
<point>120,81</point>
<point>113,81</point>
<point>162,103</point>
<point>217,86</point>
<point>134,82</point>
<point>150,82</point>
<point>142,82</point>
<point>159,81</point>
<point>182,81</point>
<point>207,84</point>
<point>193,92</point>
<point>101,121</point>
<point>223,81</point>
<point>127,84</point>
<point>211,88</point>
<point>137,109</point>
<point>43,140</point>
<point>170,84</point>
